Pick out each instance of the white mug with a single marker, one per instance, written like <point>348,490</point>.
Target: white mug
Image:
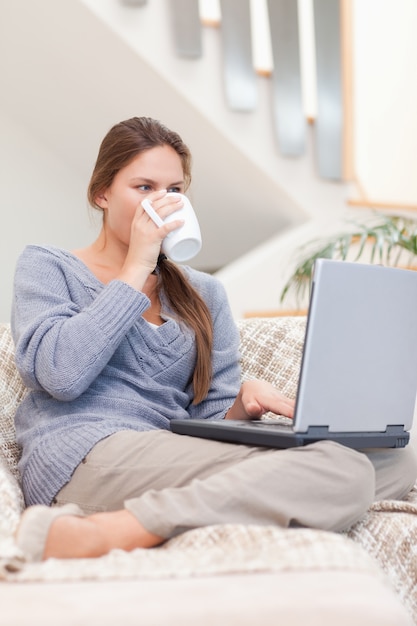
<point>184,242</point>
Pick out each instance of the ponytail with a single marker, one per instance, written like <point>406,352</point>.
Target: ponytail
<point>192,309</point>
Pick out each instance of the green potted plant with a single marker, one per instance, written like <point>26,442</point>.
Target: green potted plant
<point>385,239</point>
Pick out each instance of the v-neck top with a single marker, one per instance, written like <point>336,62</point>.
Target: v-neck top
<point>95,366</point>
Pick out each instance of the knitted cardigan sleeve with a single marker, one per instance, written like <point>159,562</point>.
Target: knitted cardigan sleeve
<point>61,347</point>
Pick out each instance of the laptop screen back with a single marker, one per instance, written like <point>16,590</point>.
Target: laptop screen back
<point>359,367</point>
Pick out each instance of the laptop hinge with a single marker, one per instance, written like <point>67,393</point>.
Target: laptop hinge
<point>397,429</point>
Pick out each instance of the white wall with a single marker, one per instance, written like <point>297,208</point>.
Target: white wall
<point>255,281</point>
<point>42,201</point>
<point>385,99</point>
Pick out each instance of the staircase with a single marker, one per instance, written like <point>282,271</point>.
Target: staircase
<point>78,66</point>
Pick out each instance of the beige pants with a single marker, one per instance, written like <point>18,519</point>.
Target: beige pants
<point>173,483</point>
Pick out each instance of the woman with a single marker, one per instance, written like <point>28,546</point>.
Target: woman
<point>113,341</point>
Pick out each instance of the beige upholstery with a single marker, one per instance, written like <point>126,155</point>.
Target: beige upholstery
<point>11,393</point>
<point>367,575</point>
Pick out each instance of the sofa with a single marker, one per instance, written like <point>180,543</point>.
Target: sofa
<point>229,574</point>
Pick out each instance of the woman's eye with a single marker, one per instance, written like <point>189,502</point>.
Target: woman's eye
<point>174,189</point>
<point>144,187</point>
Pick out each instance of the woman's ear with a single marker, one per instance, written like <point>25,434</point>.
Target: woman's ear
<point>101,201</point>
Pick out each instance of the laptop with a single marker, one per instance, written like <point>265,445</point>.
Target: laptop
<point>358,377</point>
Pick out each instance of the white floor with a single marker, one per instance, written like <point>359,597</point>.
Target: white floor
<point>292,599</point>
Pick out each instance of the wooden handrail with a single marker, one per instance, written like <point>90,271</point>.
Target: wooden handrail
<point>374,204</point>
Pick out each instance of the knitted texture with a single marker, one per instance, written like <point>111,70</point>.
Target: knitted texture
<point>211,550</point>
<point>12,391</point>
<point>389,534</point>
<point>271,349</point>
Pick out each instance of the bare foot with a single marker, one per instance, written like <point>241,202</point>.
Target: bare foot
<point>88,537</point>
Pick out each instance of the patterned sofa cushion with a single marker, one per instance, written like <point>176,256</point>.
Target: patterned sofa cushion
<point>271,349</point>
<point>12,390</point>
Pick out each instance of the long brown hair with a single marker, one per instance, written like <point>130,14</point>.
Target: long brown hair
<point>124,142</point>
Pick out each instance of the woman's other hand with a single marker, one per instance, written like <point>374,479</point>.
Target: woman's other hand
<point>257,397</point>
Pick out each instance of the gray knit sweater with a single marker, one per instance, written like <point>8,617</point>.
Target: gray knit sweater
<point>95,366</point>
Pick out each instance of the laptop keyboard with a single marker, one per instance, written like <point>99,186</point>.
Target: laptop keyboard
<point>279,420</point>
